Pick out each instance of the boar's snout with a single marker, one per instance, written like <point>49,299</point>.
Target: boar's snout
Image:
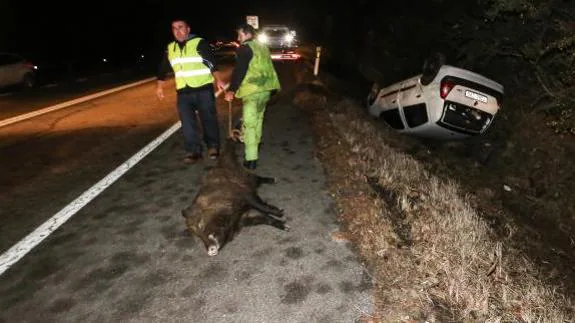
<point>212,250</point>
<point>213,245</point>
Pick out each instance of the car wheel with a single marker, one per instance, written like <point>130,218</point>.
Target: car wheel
<point>28,81</point>
<point>372,94</point>
<point>431,67</point>
<point>370,99</point>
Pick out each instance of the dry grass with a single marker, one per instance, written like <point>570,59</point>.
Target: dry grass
<point>433,257</point>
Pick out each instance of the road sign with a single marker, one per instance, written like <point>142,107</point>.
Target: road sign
<point>253,21</point>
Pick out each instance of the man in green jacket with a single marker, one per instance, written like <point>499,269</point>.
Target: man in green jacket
<point>254,79</point>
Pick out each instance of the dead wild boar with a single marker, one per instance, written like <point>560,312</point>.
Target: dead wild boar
<point>220,208</point>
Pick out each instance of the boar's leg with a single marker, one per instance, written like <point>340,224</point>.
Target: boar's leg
<point>265,180</point>
<point>259,219</point>
<point>257,203</point>
<point>279,211</point>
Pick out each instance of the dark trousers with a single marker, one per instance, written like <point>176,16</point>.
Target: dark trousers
<point>205,104</point>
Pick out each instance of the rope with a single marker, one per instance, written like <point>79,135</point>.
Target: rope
<point>230,135</point>
<point>234,134</point>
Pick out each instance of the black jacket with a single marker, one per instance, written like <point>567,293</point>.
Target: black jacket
<point>244,55</point>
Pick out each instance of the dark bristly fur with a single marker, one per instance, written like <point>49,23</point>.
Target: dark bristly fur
<point>227,193</point>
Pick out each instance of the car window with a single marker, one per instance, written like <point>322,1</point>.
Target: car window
<point>392,118</point>
<point>415,115</point>
<point>275,33</point>
<point>7,59</point>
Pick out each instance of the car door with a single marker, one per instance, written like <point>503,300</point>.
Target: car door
<point>12,71</point>
<point>4,70</point>
<point>412,103</point>
<point>403,97</point>
<point>389,99</point>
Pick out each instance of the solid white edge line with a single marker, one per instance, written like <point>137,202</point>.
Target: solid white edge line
<point>66,104</point>
<point>16,252</point>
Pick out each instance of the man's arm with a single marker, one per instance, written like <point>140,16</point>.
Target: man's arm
<point>244,55</point>
<point>207,54</point>
<point>164,67</point>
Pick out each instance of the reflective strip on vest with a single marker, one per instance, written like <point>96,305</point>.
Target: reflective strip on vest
<point>192,73</point>
<point>188,65</point>
<point>182,60</point>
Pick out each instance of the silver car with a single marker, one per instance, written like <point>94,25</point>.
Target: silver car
<point>444,102</point>
<point>16,70</point>
<point>277,36</point>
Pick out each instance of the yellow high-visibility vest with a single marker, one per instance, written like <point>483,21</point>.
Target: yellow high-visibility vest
<point>261,75</point>
<point>188,65</point>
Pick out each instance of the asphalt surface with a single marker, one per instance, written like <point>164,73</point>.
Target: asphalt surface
<point>47,161</point>
<point>15,101</point>
<point>125,256</point>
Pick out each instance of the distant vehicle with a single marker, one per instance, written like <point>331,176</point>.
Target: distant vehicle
<point>224,48</point>
<point>444,102</point>
<point>277,36</point>
<point>16,70</point>
<point>285,55</point>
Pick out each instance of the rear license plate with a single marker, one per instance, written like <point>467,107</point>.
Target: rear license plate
<point>476,96</point>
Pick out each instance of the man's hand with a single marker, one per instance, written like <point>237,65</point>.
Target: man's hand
<point>218,79</point>
<point>221,85</point>
<point>160,91</point>
<point>229,96</point>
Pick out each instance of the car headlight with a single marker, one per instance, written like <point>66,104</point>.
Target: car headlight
<point>288,37</point>
<point>262,38</point>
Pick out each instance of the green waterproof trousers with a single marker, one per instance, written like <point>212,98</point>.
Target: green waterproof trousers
<point>254,107</point>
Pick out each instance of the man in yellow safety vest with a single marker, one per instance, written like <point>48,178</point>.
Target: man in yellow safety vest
<point>192,61</point>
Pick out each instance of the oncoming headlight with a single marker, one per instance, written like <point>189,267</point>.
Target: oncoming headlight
<point>262,38</point>
<point>288,37</point>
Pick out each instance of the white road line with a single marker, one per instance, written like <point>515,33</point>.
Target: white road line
<point>16,252</point>
<point>66,104</point>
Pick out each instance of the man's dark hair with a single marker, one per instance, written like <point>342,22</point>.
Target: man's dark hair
<point>247,28</point>
<point>179,19</point>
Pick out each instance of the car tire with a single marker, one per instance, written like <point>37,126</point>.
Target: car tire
<point>372,94</point>
<point>28,81</point>
<point>431,67</point>
<point>370,99</point>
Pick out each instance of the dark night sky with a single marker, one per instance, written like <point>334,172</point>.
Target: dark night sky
<point>51,30</point>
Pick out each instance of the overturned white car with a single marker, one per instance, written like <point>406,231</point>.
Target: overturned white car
<point>444,102</point>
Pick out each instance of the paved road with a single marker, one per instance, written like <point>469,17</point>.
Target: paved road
<point>47,161</point>
<point>17,101</point>
<point>124,258</point>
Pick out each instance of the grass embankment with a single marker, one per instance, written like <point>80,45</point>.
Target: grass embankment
<point>432,252</point>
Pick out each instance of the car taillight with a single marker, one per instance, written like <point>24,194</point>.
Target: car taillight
<point>445,88</point>
<point>30,65</point>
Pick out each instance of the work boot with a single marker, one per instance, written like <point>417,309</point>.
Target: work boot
<point>192,158</point>
<point>213,153</point>
<point>251,164</point>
